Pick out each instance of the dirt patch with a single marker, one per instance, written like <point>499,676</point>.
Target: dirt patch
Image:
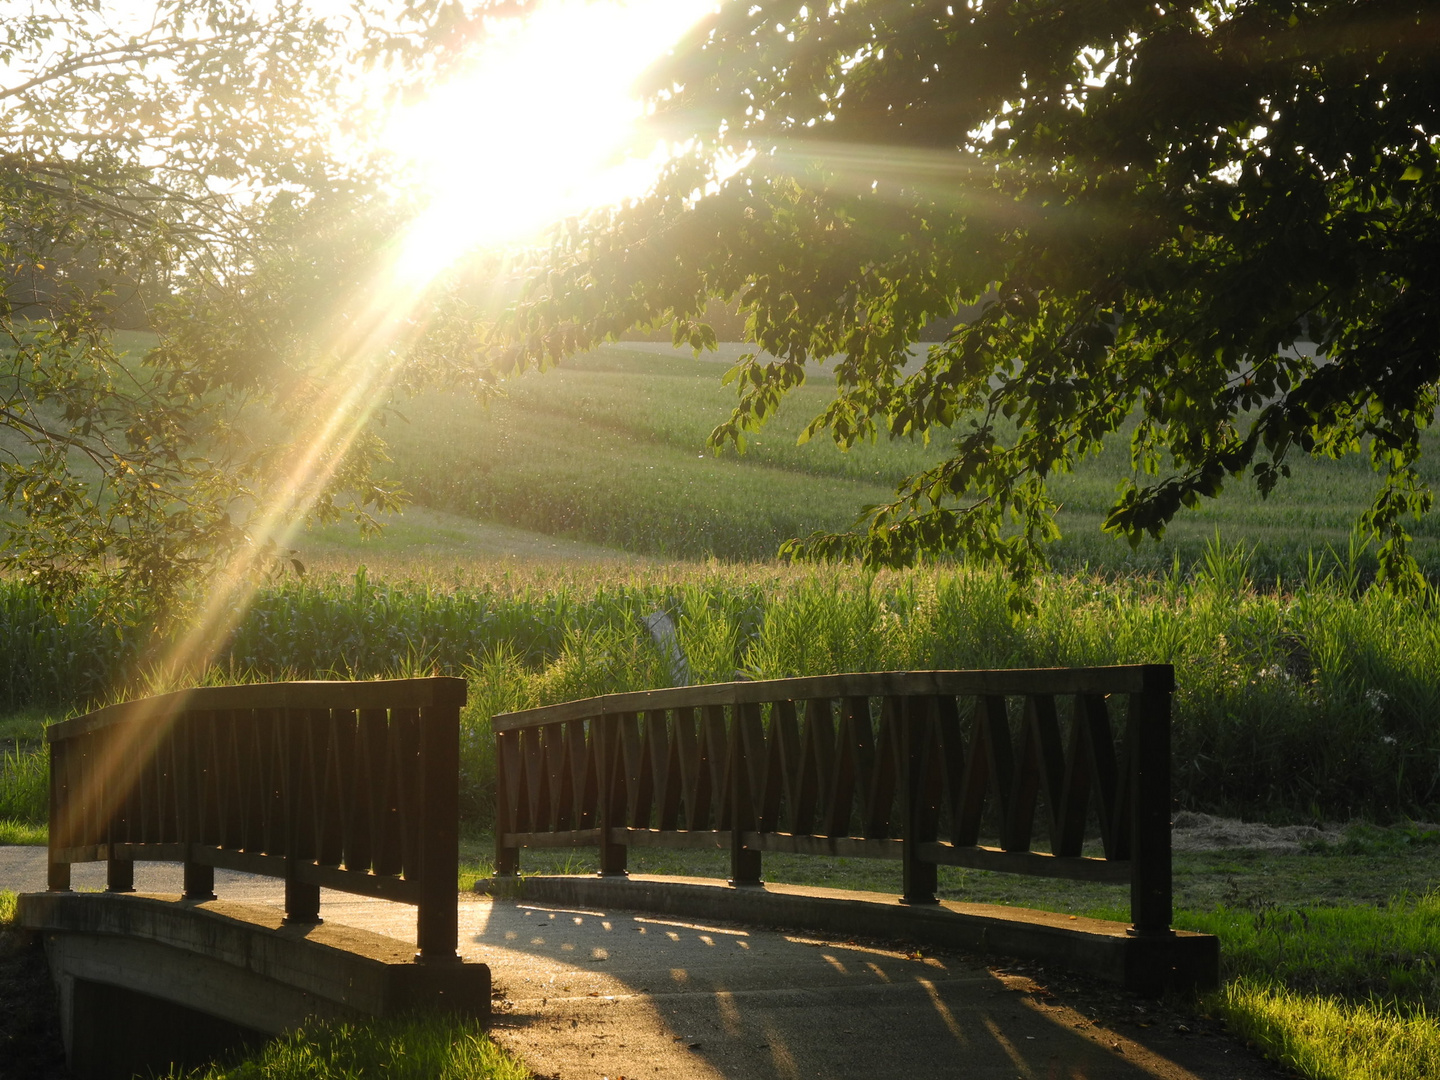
<point>30,1047</point>
<point>1204,832</point>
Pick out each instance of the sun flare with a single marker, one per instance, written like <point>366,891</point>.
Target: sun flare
<point>544,123</point>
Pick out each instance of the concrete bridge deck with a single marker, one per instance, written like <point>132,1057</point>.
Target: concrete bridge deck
<point>586,993</point>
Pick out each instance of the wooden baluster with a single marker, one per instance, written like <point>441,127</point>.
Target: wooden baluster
<point>580,738</point>
<point>950,736</point>
<point>791,766</point>
<point>1109,787</point>
<point>886,765</point>
<point>610,762</point>
<point>557,773</point>
<point>1049,762</point>
<point>920,792</point>
<point>339,748</point>
<point>111,793</point>
<point>191,791</point>
<point>848,742</point>
<point>302,898</point>
<point>405,746</point>
<point>744,862</point>
<point>664,749</point>
<point>639,780</point>
<point>694,770</point>
<point>715,738</point>
<point>1075,790</point>
<point>767,781</point>
<point>537,786</point>
<point>1017,827</point>
<point>507,802</point>
<point>817,752</point>
<point>57,872</point>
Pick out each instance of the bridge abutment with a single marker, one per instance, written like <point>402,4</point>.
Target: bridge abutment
<point>168,980</point>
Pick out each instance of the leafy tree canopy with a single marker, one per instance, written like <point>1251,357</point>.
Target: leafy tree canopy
<point>1159,206</point>
<point>194,167</point>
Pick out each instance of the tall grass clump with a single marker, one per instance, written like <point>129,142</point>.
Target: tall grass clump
<point>1326,1039</point>
<point>1317,700</point>
<point>24,786</point>
<point>414,1048</point>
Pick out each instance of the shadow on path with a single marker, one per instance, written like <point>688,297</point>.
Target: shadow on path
<point>591,994</point>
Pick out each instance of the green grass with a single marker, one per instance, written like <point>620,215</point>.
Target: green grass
<point>1326,1039</point>
<point>610,448</point>
<point>1348,992</point>
<point>7,907</point>
<point>24,786</point>
<point>413,1048</point>
<point>1316,702</point>
<point>23,833</point>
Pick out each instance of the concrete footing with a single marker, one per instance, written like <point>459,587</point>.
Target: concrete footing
<point>1181,961</point>
<point>150,981</point>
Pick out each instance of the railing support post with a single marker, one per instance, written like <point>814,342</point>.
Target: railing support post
<point>302,900</point>
<point>437,926</point>
<point>119,875</point>
<point>920,878</point>
<point>614,858</point>
<point>200,882</point>
<point>1150,886</point>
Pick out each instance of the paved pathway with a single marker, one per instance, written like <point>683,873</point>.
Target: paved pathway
<point>585,994</point>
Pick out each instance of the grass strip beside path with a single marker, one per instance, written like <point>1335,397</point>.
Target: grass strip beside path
<point>1323,1038</point>
<point>411,1048</point>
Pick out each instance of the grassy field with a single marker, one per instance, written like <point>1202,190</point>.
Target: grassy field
<point>610,449</point>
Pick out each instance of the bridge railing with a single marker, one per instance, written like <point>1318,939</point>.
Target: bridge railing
<point>347,785</point>
<point>916,766</point>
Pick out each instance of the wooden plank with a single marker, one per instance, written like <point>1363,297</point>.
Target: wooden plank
<point>850,847</point>
<point>1032,863</point>
<point>704,839</point>
<point>307,694</point>
<point>1120,679</point>
<point>568,838</point>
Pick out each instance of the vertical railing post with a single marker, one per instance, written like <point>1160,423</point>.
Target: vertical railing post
<point>921,826</point>
<point>507,857</point>
<point>1150,885</point>
<point>302,898</point>
<point>609,772</point>
<point>437,925</point>
<point>744,863</point>
<point>190,791</point>
<point>58,873</point>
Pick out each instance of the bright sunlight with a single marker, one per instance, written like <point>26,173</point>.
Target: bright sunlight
<point>543,124</point>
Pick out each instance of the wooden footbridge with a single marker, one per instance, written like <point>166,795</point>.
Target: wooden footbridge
<point>354,786</point>
<point>344,785</point>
